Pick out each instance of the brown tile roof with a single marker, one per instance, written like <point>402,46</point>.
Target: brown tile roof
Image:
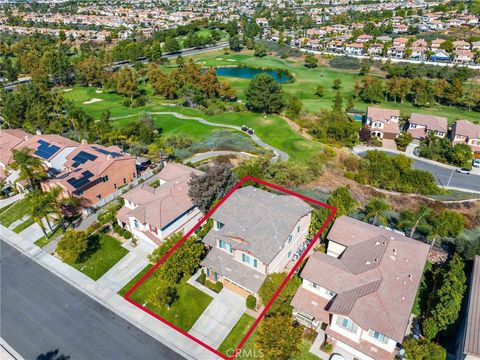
<point>381,114</point>
<point>172,171</point>
<point>57,140</point>
<point>472,336</point>
<point>467,128</point>
<point>375,279</point>
<point>311,304</point>
<point>9,139</point>
<point>432,122</point>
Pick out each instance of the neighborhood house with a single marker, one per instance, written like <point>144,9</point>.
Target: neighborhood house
<point>383,122</point>
<point>255,233</point>
<point>359,295</point>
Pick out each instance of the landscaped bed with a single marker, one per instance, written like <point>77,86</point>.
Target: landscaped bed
<point>103,253</point>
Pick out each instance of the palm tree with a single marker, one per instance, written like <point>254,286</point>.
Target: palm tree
<point>58,203</point>
<point>39,209</point>
<point>376,209</point>
<point>29,168</point>
<point>412,219</point>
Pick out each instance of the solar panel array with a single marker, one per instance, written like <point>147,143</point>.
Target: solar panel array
<point>80,182</point>
<point>46,150</point>
<point>81,158</point>
<point>106,152</point>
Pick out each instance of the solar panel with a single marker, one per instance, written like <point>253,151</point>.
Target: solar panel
<point>81,158</point>
<point>46,150</point>
<point>80,182</point>
<point>106,152</point>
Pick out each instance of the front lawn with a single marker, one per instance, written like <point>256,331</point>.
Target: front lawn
<point>19,228</point>
<point>104,251</point>
<point>132,282</point>
<point>11,213</point>
<point>43,241</point>
<point>236,334</point>
<point>184,312</point>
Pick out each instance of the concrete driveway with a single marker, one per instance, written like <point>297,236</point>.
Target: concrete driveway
<point>213,326</point>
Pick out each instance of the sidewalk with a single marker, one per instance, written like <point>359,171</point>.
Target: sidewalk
<point>108,297</point>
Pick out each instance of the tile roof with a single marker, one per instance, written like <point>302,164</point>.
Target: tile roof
<point>472,336</point>
<point>467,128</point>
<point>311,303</point>
<point>257,221</point>
<point>432,122</point>
<point>381,114</point>
<point>376,277</point>
<point>9,139</point>
<point>51,141</point>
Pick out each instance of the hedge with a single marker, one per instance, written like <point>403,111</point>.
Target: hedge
<point>251,302</point>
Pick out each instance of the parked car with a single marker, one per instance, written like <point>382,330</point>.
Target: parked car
<point>463,171</point>
<point>476,163</point>
<point>336,357</point>
<point>244,128</point>
<point>251,131</point>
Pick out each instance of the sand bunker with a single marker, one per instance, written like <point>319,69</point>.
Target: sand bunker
<point>98,91</point>
<point>91,101</point>
<point>67,90</point>
<point>231,60</point>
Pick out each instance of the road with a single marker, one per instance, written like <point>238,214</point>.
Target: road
<point>445,176</point>
<point>43,317</point>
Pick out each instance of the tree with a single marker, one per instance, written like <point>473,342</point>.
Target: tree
<point>429,328</point>
<point>319,91</point>
<point>72,245</point>
<point>234,43</point>
<point>365,67</point>
<point>213,185</point>
<point>445,223</point>
<point>29,167</point>
<point>450,295</point>
<point>260,50</point>
<point>294,107</point>
<point>319,216</point>
<point>411,220</point>
<point>127,82</point>
<point>90,71</point>
<point>376,209</point>
<point>337,102</point>
<point>404,139</point>
<point>468,248</point>
<point>281,305</point>
<point>342,200</point>
<point>460,155</point>
<point>423,350</point>
<point>371,90</point>
<point>337,84</point>
<point>311,61</point>
<point>171,44</point>
<point>264,94</point>
<point>163,294</point>
<point>278,338</point>
<point>39,208</point>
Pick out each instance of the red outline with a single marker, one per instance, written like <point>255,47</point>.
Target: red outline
<point>275,295</point>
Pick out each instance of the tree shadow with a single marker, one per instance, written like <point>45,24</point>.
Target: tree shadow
<point>52,355</point>
<point>93,247</point>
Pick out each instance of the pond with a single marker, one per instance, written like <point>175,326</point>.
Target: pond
<point>280,76</point>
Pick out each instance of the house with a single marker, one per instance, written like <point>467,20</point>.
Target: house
<point>360,294</point>
<point>92,173</point>
<point>364,38</point>
<point>463,56</point>
<point>262,22</point>
<point>400,42</point>
<point>461,45</point>
<point>420,125</point>
<point>471,334</point>
<point>155,210</point>
<point>396,52</point>
<point>466,132</point>
<point>440,55</point>
<point>383,122</point>
<point>354,49</point>
<point>9,140</point>
<point>255,233</point>
<point>436,43</point>
<point>375,49</point>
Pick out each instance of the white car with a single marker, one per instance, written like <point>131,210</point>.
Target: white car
<point>336,357</point>
<point>476,163</point>
<point>463,171</point>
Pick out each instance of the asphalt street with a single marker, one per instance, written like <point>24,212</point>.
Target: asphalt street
<point>446,176</point>
<point>45,318</point>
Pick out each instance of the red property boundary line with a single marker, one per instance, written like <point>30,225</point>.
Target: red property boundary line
<point>332,209</point>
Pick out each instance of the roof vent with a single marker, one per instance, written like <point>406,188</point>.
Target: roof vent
<point>392,238</point>
<point>384,243</point>
<point>398,277</point>
<point>406,259</point>
<point>403,297</point>
<point>410,276</point>
<point>367,262</point>
<point>377,243</point>
<point>394,251</point>
<point>375,260</point>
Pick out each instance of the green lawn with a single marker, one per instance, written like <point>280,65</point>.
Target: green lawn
<point>184,311</point>
<point>236,334</point>
<point>45,240</point>
<point>19,228</point>
<point>104,252</point>
<point>132,282</point>
<point>13,212</point>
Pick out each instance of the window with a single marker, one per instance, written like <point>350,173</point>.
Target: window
<point>314,285</point>
<point>249,260</point>
<point>378,336</point>
<point>346,324</point>
<point>329,293</point>
<point>99,196</point>
<point>115,186</point>
<point>135,223</point>
<point>290,239</point>
<point>217,225</point>
<point>225,246</point>
<point>298,228</point>
<point>124,180</point>
<point>105,178</point>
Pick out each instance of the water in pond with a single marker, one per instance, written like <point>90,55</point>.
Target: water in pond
<point>249,73</point>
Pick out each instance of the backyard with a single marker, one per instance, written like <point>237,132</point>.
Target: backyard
<point>103,252</point>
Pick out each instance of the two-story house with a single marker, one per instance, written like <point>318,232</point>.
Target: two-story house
<point>160,207</point>
<point>359,295</point>
<point>466,132</point>
<point>93,172</point>
<point>255,233</point>
<point>420,125</point>
<point>383,122</point>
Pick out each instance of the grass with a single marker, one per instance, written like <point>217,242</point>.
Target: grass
<point>43,241</point>
<point>236,334</point>
<point>13,212</point>
<point>104,252</point>
<point>19,228</point>
<point>132,282</point>
<point>184,312</point>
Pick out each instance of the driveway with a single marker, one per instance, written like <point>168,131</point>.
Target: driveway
<point>213,326</point>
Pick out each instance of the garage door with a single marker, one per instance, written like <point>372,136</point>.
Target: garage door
<point>237,289</point>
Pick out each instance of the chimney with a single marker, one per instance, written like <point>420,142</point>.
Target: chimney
<point>38,132</point>
<point>84,142</point>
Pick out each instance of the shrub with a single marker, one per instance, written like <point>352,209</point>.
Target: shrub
<point>251,302</point>
<point>217,287</point>
<point>202,278</point>
<point>127,102</point>
<point>327,347</point>
<point>345,62</point>
<point>430,328</point>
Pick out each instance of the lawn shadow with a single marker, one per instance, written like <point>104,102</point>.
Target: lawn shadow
<point>93,246</point>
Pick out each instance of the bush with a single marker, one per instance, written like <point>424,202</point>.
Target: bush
<point>251,302</point>
<point>345,62</point>
<point>217,287</point>
<point>430,328</point>
<point>127,102</point>
<point>327,347</point>
<point>202,278</point>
